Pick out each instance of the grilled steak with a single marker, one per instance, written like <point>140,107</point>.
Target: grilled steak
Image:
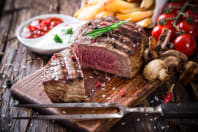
<point>63,78</point>
<point>118,52</point>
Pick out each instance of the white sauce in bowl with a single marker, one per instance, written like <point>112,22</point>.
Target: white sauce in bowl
<point>60,30</point>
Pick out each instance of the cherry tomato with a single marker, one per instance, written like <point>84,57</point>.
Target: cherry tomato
<point>158,29</point>
<point>164,16</point>
<point>191,15</point>
<point>187,28</point>
<point>185,43</point>
<point>173,4</point>
<point>194,16</point>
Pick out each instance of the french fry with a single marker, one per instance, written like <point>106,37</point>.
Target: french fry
<point>78,12</point>
<point>133,0</point>
<point>131,10</point>
<point>136,16</point>
<point>147,22</point>
<point>146,4</point>
<point>122,9</point>
<point>88,13</point>
<point>85,3</point>
<point>118,5</point>
<point>92,2</point>
<point>104,13</point>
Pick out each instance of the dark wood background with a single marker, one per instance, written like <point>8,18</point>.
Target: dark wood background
<point>16,62</point>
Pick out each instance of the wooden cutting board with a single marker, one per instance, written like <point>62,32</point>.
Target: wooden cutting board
<point>31,90</point>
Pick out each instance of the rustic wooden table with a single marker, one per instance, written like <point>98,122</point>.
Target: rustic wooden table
<point>17,62</point>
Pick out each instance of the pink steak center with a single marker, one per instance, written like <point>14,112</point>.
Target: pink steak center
<point>98,58</point>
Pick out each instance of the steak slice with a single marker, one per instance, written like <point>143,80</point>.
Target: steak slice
<point>63,78</point>
<point>118,52</point>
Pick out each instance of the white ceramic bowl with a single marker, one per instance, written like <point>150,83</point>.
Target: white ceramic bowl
<point>32,43</point>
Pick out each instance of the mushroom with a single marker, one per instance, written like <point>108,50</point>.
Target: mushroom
<point>150,52</point>
<point>176,53</point>
<point>164,38</point>
<point>156,47</point>
<point>171,61</point>
<point>147,55</point>
<point>173,58</point>
<point>156,69</point>
<point>190,70</point>
<point>153,46</point>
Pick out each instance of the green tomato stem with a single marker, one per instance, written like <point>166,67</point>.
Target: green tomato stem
<point>179,14</point>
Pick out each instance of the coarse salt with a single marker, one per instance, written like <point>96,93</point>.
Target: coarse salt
<point>123,123</point>
<point>156,98</point>
<point>162,127</point>
<point>93,90</point>
<point>4,86</point>
<point>108,98</point>
<point>103,85</point>
<point>64,112</point>
<point>138,119</point>
<point>23,67</point>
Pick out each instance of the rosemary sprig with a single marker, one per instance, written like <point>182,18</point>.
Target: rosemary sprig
<point>98,32</point>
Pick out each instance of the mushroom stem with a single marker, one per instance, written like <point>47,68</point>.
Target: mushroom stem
<point>163,74</point>
<point>152,47</point>
<point>147,55</point>
<point>190,70</point>
<point>164,38</point>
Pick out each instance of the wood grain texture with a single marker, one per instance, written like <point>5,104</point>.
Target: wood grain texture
<point>31,90</point>
<point>18,62</point>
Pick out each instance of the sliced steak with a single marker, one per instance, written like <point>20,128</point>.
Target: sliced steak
<point>63,78</point>
<point>118,52</point>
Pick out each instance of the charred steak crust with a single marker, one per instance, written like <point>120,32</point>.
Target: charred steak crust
<point>63,78</point>
<point>123,46</point>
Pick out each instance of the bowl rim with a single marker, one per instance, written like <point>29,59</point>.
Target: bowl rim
<point>67,19</point>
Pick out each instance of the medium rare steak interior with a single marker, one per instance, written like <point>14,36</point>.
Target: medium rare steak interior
<point>118,52</point>
<point>63,78</point>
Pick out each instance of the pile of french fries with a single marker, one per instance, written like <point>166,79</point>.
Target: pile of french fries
<point>140,11</point>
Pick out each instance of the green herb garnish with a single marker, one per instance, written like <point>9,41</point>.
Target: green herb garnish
<point>98,32</point>
<point>69,31</point>
<point>57,39</point>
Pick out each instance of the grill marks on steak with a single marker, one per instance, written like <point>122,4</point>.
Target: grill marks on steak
<point>118,52</point>
<point>63,68</point>
<point>127,37</point>
<point>63,78</point>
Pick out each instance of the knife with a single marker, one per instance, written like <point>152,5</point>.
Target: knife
<point>168,110</point>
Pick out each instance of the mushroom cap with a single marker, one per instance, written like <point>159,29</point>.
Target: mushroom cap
<point>176,53</point>
<point>156,69</point>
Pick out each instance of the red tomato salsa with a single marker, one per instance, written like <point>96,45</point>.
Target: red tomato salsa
<point>40,27</point>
